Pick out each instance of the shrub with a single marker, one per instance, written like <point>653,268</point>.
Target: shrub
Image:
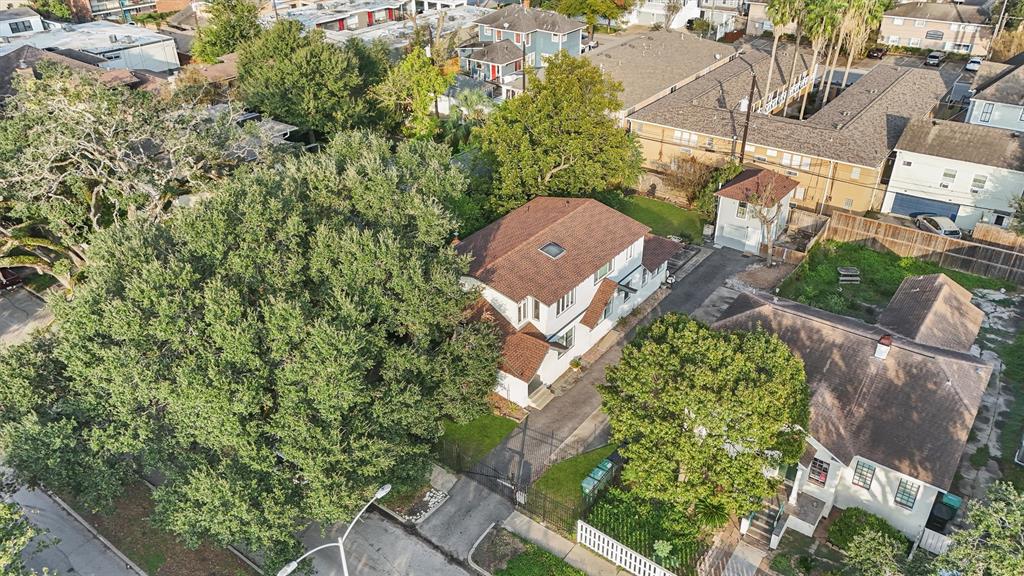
<point>855,521</point>
<point>704,200</point>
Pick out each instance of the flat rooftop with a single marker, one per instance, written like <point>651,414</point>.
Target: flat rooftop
<point>860,126</point>
<point>98,37</point>
<point>648,62</point>
<point>397,34</point>
<point>310,16</point>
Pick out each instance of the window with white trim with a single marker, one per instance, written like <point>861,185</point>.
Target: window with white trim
<point>954,26</point>
<point>741,210</point>
<point>818,472</point>
<point>536,309</point>
<point>602,272</point>
<point>855,173</point>
<point>800,192</point>
<point>986,112</point>
<point>771,153</point>
<point>631,251</point>
<point>863,474</point>
<point>22,26</point>
<point>568,339</point>
<point>848,203</point>
<point>906,493</point>
<point>897,21</point>
<point>524,311</point>
<point>644,277</point>
<point>893,40</point>
<point>565,302</point>
<point>979,182</point>
<point>920,23</point>
<point>914,42</point>
<point>948,176</point>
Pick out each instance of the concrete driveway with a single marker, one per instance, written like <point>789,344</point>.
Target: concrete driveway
<point>378,547</point>
<point>21,313</point>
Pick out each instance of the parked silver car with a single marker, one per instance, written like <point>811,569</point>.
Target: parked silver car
<point>938,225</point>
<point>974,64</point>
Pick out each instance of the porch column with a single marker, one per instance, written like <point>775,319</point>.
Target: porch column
<point>796,485</point>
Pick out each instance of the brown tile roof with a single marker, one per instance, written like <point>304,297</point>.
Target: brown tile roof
<point>658,250</point>
<point>757,182</point>
<point>911,412</point>
<point>522,351</point>
<point>518,18</point>
<point>503,52</point>
<point>940,12</point>
<point>1001,82</point>
<point>604,293</point>
<point>934,310</point>
<point>507,257</point>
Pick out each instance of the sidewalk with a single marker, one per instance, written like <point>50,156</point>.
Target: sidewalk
<point>574,554</point>
<point>77,550</point>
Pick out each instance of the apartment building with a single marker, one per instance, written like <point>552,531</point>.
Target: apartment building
<point>839,155</point>
<point>108,45</point>
<point>945,26</point>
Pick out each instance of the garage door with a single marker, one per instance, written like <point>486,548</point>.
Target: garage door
<point>914,205</point>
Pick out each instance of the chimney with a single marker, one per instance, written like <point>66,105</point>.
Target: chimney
<point>882,348</point>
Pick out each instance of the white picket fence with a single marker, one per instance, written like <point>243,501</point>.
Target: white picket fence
<point>610,548</point>
<point>934,542</point>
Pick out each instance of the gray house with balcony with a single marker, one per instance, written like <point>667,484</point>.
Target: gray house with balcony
<point>514,38</point>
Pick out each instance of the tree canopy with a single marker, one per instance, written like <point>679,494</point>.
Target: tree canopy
<point>77,156</point>
<point>410,92</point>
<point>299,78</point>
<point>276,352</point>
<point>231,24</point>
<point>992,544</point>
<point>702,414</point>
<point>16,537</point>
<point>557,137</point>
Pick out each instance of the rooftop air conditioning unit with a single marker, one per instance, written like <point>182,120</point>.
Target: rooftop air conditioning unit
<point>112,38</point>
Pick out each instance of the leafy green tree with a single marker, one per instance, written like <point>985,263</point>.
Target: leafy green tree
<point>277,352</point>
<point>702,414</point>
<point>593,10</point>
<point>231,24</point>
<point>993,542</point>
<point>53,9</point>
<point>558,137</point>
<point>1018,216</point>
<point>300,78</point>
<point>16,536</point>
<point>872,553</point>
<point>410,91</point>
<point>77,156</point>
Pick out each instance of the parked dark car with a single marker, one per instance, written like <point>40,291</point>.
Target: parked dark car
<point>878,52</point>
<point>8,279</point>
<point>935,59</point>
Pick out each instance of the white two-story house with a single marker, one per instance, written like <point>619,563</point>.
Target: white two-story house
<point>891,405</point>
<point>653,12</point>
<point>969,173</point>
<point>19,21</point>
<point>752,192</point>
<point>555,275</point>
<point>997,97</point>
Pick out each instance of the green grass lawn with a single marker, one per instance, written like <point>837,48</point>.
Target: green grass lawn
<point>535,561</point>
<point>477,437</point>
<point>562,481</point>
<point>816,281</point>
<point>665,219</point>
<point>39,283</point>
<point>1011,422</point>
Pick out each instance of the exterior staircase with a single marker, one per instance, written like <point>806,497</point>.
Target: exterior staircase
<point>763,523</point>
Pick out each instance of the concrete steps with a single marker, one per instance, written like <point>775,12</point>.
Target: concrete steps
<point>541,398</point>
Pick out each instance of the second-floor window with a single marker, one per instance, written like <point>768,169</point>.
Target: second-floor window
<point>602,272</point>
<point>518,38</point>
<point>741,210</point>
<point>863,475</point>
<point>948,176</point>
<point>524,311</point>
<point>906,494</point>
<point>986,111</point>
<point>818,472</point>
<point>22,26</point>
<point>568,340</point>
<point>979,182</point>
<point>631,251</point>
<point>565,302</point>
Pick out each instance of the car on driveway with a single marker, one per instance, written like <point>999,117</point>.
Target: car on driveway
<point>974,64</point>
<point>878,52</point>
<point>935,58</point>
<point>938,225</point>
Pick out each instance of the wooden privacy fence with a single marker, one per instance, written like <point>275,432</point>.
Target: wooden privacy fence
<point>946,252</point>
<point>610,548</point>
<point>998,237</point>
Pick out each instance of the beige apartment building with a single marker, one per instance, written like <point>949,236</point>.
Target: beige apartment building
<point>838,154</point>
<point>945,26</point>
<point>758,21</point>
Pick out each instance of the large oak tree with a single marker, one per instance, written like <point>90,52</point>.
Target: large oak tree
<point>276,353</point>
<point>704,416</point>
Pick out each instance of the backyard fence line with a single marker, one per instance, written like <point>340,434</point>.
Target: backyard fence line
<point>619,554</point>
<point>998,236</point>
<point>947,252</point>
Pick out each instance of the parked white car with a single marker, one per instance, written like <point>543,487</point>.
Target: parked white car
<point>974,64</point>
<point>938,225</point>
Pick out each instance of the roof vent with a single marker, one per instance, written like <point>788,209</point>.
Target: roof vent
<point>112,38</point>
<point>882,348</point>
<point>553,249</point>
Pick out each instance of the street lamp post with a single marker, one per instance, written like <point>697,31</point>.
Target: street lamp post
<point>291,566</point>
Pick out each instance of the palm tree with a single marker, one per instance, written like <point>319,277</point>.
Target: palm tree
<point>799,10</point>
<point>780,13</point>
<point>819,22</point>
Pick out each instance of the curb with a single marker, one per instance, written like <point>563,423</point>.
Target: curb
<point>473,549</point>
<point>97,535</point>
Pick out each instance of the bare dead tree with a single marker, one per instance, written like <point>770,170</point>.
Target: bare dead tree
<point>767,209</point>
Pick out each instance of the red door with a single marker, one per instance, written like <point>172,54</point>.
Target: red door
<point>391,14</point>
<point>494,71</point>
<point>369,18</point>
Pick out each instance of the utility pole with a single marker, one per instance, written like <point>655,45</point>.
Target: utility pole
<point>746,123</point>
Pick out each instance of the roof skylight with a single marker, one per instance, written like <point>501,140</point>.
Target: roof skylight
<point>552,249</point>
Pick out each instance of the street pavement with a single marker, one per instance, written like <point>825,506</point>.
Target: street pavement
<point>379,547</point>
<point>464,517</point>
<point>21,313</point>
<point>76,550</point>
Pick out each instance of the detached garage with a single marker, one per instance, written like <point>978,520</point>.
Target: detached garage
<point>739,201</point>
<point>915,205</point>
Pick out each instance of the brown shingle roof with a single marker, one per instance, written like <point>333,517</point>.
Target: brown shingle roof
<point>507,257</point>
<point>934,310</point>
<point>657,251</point>
<point>911,412</point>
<point>604,293</point>
<point>522,351</point>
<point>519,19</point>
<point>759,183</point>
<point>940,11</point>
<point>860,126</point>
<point>973,143</point>
<point>503,52</point>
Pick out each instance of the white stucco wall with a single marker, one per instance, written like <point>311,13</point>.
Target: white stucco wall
<point>925,173</point>
<point>5,26</point>
<point>653,12</point>
<point>1001,115</point>
<point>879,500</point>
<point>512,388</point>
<point>745,233</point>
<point>158,57</point>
